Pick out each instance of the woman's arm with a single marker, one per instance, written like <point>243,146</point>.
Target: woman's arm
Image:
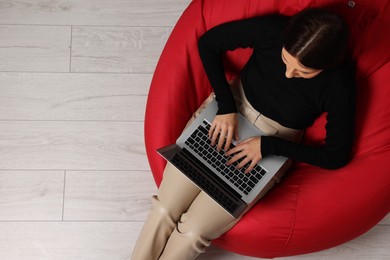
<point>340,128</point>
<point>252,33</point>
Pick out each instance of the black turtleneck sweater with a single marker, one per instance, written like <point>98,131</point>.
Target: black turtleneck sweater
<point>294,103</point>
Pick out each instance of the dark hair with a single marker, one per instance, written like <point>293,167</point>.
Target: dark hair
<point>317,38</point>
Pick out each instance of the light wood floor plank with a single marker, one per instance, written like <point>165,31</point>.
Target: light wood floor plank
<point>31,195</point>
<point>114,196</point>
<point>96,12</point>
<point>73,96</point>
<point>115,240</point>
<point>117,49</point>
<point>72,145</point>
<point>386,221</point>
<point>35,48</point>
<point>67,240</point>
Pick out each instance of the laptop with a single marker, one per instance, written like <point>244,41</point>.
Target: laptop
<point>201,163</point>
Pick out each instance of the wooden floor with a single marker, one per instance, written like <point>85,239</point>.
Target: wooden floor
<point>74,178</point>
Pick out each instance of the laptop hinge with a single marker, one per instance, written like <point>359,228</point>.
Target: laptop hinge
<point>225,196</point>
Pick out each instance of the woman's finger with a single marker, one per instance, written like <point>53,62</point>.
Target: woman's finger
<point>211,131</point>
<point>215,135</point>
<point>234,150</point>
<point>229,139</point>
<point>237,156</point>
<point>222,138</point>
<point>251,166</point>
<point>244,162</point>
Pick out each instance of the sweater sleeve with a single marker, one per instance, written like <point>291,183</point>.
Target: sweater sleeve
<point>230,36</point>
<point>336,150</point>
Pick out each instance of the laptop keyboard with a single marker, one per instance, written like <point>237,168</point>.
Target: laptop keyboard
<point>233,206</point>
<point>200,143</point>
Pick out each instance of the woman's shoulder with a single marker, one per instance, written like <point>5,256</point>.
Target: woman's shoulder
<point>339,86</point>
<point>271,20</point>
<point>340,76</point>
<point>267,21</point>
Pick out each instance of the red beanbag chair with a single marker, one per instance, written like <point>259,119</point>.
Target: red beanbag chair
<point>313,208</point>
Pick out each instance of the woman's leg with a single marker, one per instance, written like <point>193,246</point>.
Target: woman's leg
<point>174,196</point>
<point>204,221</point>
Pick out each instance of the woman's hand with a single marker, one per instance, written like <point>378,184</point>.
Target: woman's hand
<point>249,151</point>
<point>224,129</point>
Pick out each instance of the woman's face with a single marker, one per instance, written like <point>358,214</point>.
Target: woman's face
<point>294,69</point>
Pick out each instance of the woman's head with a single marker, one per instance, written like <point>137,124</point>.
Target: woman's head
<point>294,69</point>
<point>317,38</point>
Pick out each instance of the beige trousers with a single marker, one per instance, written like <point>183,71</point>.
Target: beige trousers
<point>184,219</point>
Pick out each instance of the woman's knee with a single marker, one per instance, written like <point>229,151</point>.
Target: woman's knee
<point>176,192</point>
<point>192,234</point>
<point>205,222</point>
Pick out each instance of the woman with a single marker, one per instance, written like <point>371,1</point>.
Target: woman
<point>297,71</point>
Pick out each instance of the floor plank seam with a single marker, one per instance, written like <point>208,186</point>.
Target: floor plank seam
<point>63,196</point>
